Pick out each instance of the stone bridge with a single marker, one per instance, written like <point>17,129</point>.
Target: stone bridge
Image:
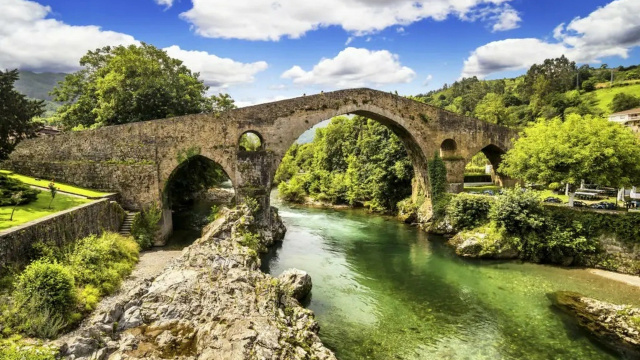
<point>137,160</point>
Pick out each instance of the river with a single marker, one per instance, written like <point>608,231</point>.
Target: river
<point>385,290</point>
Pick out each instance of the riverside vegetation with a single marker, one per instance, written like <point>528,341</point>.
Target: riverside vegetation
<point>53,293</point>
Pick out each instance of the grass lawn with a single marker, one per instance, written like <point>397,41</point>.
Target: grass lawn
<point>605,96</point>
<point>38,209</point>
<point>62,187</point>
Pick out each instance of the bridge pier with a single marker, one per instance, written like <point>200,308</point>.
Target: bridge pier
<point>455,174</point>
<point>253,184</point>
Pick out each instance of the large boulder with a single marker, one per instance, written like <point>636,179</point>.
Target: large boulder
<point>480,245</point>
<point>615,326</point>
<point>296,283</point>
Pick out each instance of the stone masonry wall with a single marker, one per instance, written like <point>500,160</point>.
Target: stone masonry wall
<point>60,229</point>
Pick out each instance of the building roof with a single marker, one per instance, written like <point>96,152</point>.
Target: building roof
<point>627,112</point>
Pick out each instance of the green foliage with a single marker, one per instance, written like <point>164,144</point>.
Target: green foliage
<point>213,213</point>
<point>579,148</point>
<point>16,113</point>
<point>250,141</point>
<point>53,190</point>
<point>102,262</point>
<point>221,103</point>
<point>47,284</point>
<point>437,177</point>
<point>352,161</point>
<point>54,291</point>
<point>623,101</point>
<point>146,225</point>
<point>294,190</point>
<point>253,204</point>
<point>10,187</point>
<point>518,211</point>
<point>548,90</point>
<point>13,351</point>
<point>121,84</point>
<point>251,240</point>
<point>468,211</point>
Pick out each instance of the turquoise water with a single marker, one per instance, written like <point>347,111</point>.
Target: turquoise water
<point>385,290</point>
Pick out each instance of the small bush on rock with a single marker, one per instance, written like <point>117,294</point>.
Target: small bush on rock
<point>468,211</point>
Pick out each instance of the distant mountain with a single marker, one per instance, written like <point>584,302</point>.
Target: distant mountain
<point>38,85</point>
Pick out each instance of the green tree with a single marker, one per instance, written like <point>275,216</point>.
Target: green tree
<point>352,161</point>
<point>491,109</point>
<point>622,102</point>
<point>221,103</point>
<point>53,190</point>
<point>127,84</point>
<point>16,112</point>
<point>582,147</point>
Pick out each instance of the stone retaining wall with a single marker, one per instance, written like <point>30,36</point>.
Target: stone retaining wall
<point>59,229</point>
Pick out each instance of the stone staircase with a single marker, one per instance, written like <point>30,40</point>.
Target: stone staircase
<point>125,228</point>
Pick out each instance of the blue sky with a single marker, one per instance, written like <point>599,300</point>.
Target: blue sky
<point>262,50</point>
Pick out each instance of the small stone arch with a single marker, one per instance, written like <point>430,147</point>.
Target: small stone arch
<point>250,141</point>
<point>448,148</point>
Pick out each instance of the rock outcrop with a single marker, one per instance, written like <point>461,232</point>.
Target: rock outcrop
<point>296,283</point>
<point>615,326</point>
<point>476,244</point>
<point>212,302</point>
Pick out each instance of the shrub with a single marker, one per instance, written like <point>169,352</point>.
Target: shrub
<point>103,261</point>
<point>12,351</point>
<point>213,213</point>
<point>46,284</point>
<point>440,205</point>
<point>293,190</point>
<point>468,211</point>
<point>9,187</point>
<point>145,226</point>
<point>518,211</point>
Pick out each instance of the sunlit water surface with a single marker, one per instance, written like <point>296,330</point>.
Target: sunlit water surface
<point>385,290</point>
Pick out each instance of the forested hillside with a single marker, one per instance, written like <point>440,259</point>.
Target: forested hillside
<point>38,85</point>
<point>556,87</point>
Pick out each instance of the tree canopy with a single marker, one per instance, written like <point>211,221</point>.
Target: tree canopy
<point>16,113</point>
<point>127,84</point>
<point>351,161</point>
<point>622,102</point>
<point>580,148</point>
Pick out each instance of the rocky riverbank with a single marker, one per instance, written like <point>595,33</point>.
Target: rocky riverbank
<point>615,326</point>
<point>212,302</point>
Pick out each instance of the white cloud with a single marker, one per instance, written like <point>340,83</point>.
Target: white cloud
<point>272,20</point>
<point>611,30</point>
<point>219,73</point>
<point>508,19</point>
<point>510,54</point>
<point>427,81</point>
<point>28,40</point>
<point>167,3</point>
<point>353,67</point>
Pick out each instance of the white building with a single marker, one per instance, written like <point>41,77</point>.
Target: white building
<point>630,118</point>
